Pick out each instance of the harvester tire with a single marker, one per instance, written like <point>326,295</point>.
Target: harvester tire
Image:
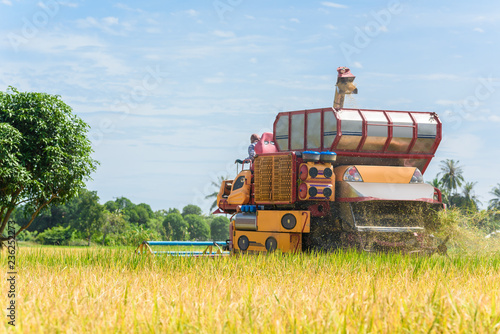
<point>271,244</point>
<point>288,221</point>
<point>243,243</point>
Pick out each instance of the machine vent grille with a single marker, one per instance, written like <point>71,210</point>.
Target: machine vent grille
<point>273,179</point>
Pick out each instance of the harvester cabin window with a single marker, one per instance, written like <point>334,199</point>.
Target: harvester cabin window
<point>240,182</point>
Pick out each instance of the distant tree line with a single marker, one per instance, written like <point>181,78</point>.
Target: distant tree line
<point>459,193</point>
<point>83,220</point>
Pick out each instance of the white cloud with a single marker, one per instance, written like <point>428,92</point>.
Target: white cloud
<point>294,20</point>
<point>457,145</point>
<point>331,27</point>
<point>478,30</point>
<point>110,20</point>
<point>447,102</point>
<point>57,43</point>
<point>286,28</point>
<point>333,4</point>
<point>399,101</point>
<point>127,8</point>
<point>214,80</point>
<point>225,34</point>
<point>357,64</point>
<point>302,85</point>
<point>253,60</point>
<point>383,29</point>
<point>105,24</point>
<point>69,4</point>
<point>494,118</point>
<point>250,17</point>
<point>111,64</point>
<point>437,76</point>
<point>7,2</point>
<point>218,78</point>
<point>192,12</point>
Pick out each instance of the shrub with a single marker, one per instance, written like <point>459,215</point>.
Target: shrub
<point>57,235</point>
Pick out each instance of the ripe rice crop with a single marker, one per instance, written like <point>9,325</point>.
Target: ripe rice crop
<point>99,290</point>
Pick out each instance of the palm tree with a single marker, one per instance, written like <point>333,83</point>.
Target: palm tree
<point>452,175</point>
<point>495,202</point>
<point>216,185</point>
<point>436,183</point>
<point>470,199</point>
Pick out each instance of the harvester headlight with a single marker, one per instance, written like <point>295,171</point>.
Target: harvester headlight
<point>313,172</point>
<point>328,173</point>
<point>352,174</point>
<point>417,177</point>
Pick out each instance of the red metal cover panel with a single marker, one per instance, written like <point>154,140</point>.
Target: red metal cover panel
<point>393,138</point>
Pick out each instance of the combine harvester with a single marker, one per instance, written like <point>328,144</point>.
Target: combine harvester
<point>335,177</point>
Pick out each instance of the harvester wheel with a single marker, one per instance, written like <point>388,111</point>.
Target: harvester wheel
<point>288,221</point>
<point>271,244</point>
<point>243,242</point>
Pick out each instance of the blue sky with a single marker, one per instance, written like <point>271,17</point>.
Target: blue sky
<point>173,90</point>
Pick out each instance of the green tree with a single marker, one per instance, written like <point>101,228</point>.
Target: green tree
<point>138,215</point>
<point>176,227</point>
<point>112,206</point>
<point>470,200</point>
<point>452,175</point>
<point>89,217</point>
<point>191,209</point>
<point>156,224</point>
<point>219,228</point>
<point>198,227</point>
<point>124,203</point>
<point>113,224</point>
<point>173,210</point>
<point>494,203</point>
<point>57,235</point>
<point>45,155</point>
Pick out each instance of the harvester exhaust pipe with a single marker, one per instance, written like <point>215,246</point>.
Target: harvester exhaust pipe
<point>343,86</point>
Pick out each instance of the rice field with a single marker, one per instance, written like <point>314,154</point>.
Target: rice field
<point>102,290</point>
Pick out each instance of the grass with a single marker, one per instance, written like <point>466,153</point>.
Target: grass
<point>103,290</point>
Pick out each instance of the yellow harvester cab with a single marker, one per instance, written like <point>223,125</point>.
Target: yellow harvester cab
<point>240,191</point>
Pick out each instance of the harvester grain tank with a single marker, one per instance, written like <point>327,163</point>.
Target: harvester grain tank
<point>337,177</point>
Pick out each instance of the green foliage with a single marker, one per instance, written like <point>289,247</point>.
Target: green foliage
<point>112,206</point>
<point>173,210</point>
<point>494,203</point>
<point>114,225</point>
<point>156,224</point>
<point>47,152</point>
<point>89,216</point>
<point>137,214</point>
<point>57,235</point>
<point>219,228</point>
<point>191,209</point>
<point>134,235</point>
<point>26,235</point>
<point>452,175</point>
<point>198,227</point>
<point>467,230</point>
<point>176,227</point>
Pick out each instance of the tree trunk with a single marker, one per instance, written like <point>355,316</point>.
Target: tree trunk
<point>89,239</point>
